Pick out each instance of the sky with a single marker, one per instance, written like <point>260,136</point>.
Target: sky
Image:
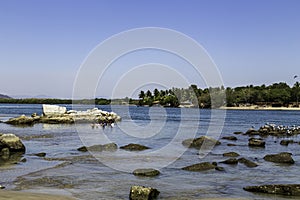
<point>43,44</point>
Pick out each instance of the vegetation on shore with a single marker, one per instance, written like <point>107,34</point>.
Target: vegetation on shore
<point>275,95</point>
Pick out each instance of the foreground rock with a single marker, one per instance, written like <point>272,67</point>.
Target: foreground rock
<point>100,147</point>
<point>143,193</point>
<point>53,114</point>
<point>283,157</point>
<point>146,172</point>
<point>134,147</point>
<point>256,142</point>
<point>247,162</point>
<point>200,167</point>
<point>289,189</point>
<point>11,142</point>
<point>198,142</point>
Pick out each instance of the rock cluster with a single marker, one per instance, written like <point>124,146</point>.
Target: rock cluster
<point>289,189</point>
<point>143,193</point>
<point>275,130</point>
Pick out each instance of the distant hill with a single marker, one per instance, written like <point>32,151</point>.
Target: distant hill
<point>2,96</point>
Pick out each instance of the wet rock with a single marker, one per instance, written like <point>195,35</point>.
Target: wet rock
<point>230,161</point>
<point>256,142</point>
<point>12,142</point>
<point>2,187</point>
<point>200,167</point>
<point>229,138</point>
<point>134,147</point>
<point>22,120</point>
<point>286,142</point>
<point>100,147</point>
<point>198,142</point>
<point>238,133</point>
<point>63,119</point>
<point>12,158</point>
<point>4,153</point>
<point>280,189</point>
<point>252,132</point>
<point>231,154</point>
<point>23,160</point>
<point>143,193</point>
<point>231,145</point>
<point>146,172</point>
<point>247,162</point>
<point>42,154</point>
<point>283,157</point>
<point>220,168</point>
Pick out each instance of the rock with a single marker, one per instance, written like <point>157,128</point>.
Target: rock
<point>53,110</point>
<point>229,138</point>
<point>62,119</point>
<point>283,157</point>
<point>146,172</point>
<point>134,147</point>
<point>238,133</point>
<point>230,161</point>
<point>12,142</point>
<point>100,147</point>
<point>256,142</point>
<point>42,154</point>
<point>4,153</point>
<point>247,162</point>
<point>198,142</point>
<point>23,160</point>
<point>22,120</point>
<point>143,193</point>
<point>200,167</point>
<point>34,115</point>
<point>288,190</point>
<point>286,142</point>
<point>2,187</point>
<point>231,145</point>
<point>231,154</point>
<point>252,132</point>
<point>220,168</point>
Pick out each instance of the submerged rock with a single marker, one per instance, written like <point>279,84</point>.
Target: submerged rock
<point>247,162</point>
<point>286,142</point>
<point>146,172</point>
<point>256,142</point>
<point>283,157</point>
<point>99,147</point>
<point>229,138</point>
<point>143,193</point>
<point>230,161</point>
<point>231,154</point>
<point>198,142</point>
<point>134,147</point>
<point>42,154</point>
<point>200,167</point>
<point>289,189</point>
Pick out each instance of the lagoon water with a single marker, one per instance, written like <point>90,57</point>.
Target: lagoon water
<point>107,175</point>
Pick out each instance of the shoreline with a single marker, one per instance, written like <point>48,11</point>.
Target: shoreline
<point>16,195</point>
<point>259,108</point>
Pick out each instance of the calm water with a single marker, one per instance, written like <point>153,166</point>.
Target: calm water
<point>107,175</point>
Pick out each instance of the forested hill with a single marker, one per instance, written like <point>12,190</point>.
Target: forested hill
<point>2,96</point>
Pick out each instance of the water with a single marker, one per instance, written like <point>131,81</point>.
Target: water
<point>107,175</point>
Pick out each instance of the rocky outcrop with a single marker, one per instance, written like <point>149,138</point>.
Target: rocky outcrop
<point>198,142</point>
<point>100,147</point>
<point>283,157</point>
<point>200,167</point>
<point>256,142</point>
<point>231,154</point>
<point>134,147</point>
<point>289,189</point>
<point>146,172</point>
<point>247,162</point>
<point>53,114</point>
<point>143,193</point>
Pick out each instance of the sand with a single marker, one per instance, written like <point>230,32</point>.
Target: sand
<point>12,195</point>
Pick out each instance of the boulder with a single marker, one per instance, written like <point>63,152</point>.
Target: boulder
<point>143,193</point>
<point>230,161</point>
<point>146,172</point>
<point>22,120</point>
<point>229,138</point>
<point>53,110</point>
<point>286,142</point>
<point>280,189</point>
<point>198,142</point>
<point>247,162</point>
<point>252,132</point>
<point>283,157</point>
<point>12,142</point>
<point>256,142</point>
<point>231,154</point>
<point>134,147</point>
<point>200,167</point>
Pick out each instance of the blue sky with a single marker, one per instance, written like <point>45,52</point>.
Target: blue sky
<point>43,43</point>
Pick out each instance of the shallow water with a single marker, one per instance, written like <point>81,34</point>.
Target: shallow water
<point>107,175</point>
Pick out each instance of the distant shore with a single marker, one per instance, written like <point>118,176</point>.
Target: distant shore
<point>259,108</point>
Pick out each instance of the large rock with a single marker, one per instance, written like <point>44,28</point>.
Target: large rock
<point>12,142</point>
<point>198,142</point>
<point>22,120</point>
<point>289,189</point>
<point>143,193</point>
<point>283,157</point>
<point>134,147</point>
<point>146,172</point>
<point>53,110</point>
<point>247,162</point>
<point>256,142</point>
<point>200,167</point>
